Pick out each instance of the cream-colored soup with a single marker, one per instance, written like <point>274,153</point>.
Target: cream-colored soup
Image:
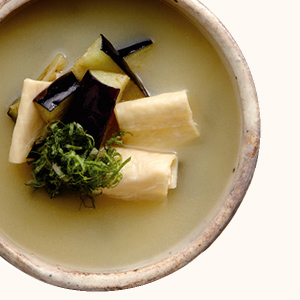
<point>118,234</point>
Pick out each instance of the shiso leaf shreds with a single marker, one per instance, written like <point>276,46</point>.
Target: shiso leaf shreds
<point>67,157</point>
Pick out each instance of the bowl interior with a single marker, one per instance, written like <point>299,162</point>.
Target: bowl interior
<point>139,243</point>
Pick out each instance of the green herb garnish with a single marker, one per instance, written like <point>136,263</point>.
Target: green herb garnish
<point>67,156</point>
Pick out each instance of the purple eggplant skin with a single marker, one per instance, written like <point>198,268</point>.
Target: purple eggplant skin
<point>93,106</point>
<point>125,51</point>
<point>58,91</point>
<point>111,51</point>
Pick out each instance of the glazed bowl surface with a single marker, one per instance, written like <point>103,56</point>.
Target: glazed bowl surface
<point>245,132</point>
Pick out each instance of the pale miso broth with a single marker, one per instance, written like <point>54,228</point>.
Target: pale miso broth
<point>117,234</point>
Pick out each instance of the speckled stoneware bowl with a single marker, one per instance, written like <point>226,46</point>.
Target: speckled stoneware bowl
<point>228,49</point>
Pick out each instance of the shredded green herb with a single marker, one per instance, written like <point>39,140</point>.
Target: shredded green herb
<point>67,157</point>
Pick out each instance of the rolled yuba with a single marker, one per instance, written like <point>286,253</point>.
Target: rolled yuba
<point>158,122</point>
<point>147,176</point>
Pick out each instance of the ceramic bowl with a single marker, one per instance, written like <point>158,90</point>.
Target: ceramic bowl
<point>232,56</point>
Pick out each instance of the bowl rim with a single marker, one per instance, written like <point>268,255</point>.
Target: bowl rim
<point>78,280</point>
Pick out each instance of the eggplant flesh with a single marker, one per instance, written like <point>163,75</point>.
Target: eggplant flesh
<point>53,103</point>
<point>14,109</point>
<point>109,49</point>
<point>102,55</point>
<point>95,103</point>
<point>50,73</point>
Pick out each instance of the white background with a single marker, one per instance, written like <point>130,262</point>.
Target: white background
<point>257,256</point>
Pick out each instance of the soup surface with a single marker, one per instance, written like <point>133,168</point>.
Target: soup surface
<point>116,234</point>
